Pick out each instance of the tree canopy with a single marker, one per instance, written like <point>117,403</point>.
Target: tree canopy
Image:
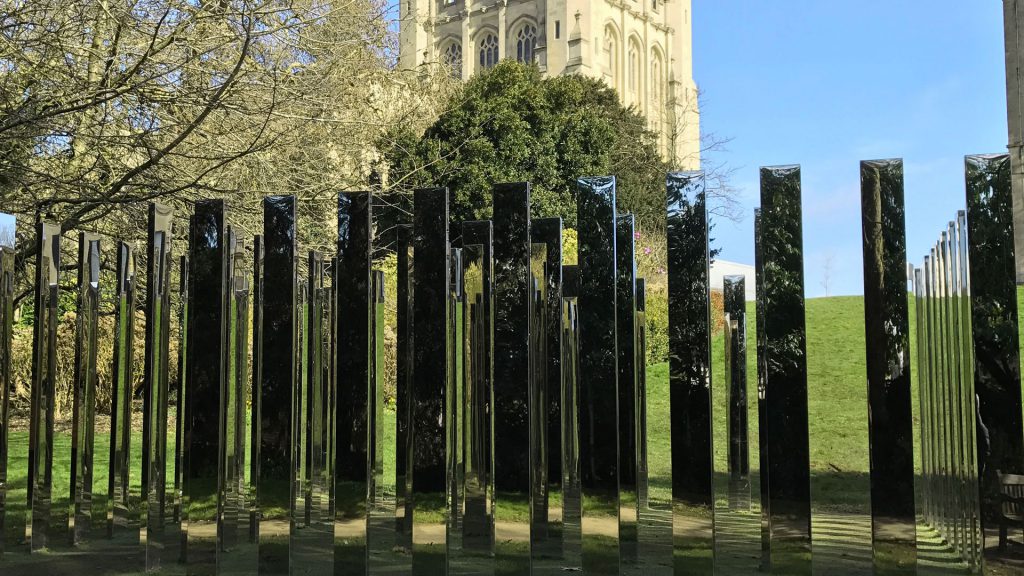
<point>511,124</point>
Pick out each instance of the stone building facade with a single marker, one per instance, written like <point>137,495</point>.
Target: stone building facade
<point>642,48</point>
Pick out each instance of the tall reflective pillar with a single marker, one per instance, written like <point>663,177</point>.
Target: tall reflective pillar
<point>256,412</point>
<point>598,375</point>
<point>158,493</point>
<point>277,368</point>
<point>785,347</point>
<point>1000,442</point>
<point>403,387</point>
<point>6,322</point>
<point>886,330</point>
<point>548,232</point>
<point>625,310</point>
<point>478,369</point>
<point>572,504</point>
<point>84,403</point>
<point>179,469</point>
<point>430,286</point>
<point>121,512</point>
<point>762,405</point>
<point>513,378</point>
<point>689,309</point>
<point>44,369</point>
<point>454,408</point>
<point>353,468</point>
<point>735,347</point>
<point>642,477</point>
<point>209,289</point>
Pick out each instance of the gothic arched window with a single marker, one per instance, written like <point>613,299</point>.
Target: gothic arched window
<point>635,75</point>
<point>526,39</point>
<point>452,58</point>
<point>611,53</point>
<point>488,52</point>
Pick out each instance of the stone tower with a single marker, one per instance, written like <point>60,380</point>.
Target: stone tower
<point>642,48</point>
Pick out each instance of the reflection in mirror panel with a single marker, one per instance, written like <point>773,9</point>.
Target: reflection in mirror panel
<point>762,395</point>
<point>353,472</point>
<point>121,513</point>
<point>10,503</point>
<point>513,378</point>
<point>598,371</point>
<point>158,496</point>
<point>478,374</point>
<point>84,394</point>
<point>786,377</point>
<point>735,383</point>
<point>209,259</point>
<point>403,389</point>
<point>690,374</point>
<point>276,367</point>
<point>572,509</point>
<point>430,286</point>
<point>625,330</point>
<point>40,525</point>
<point>454,409</point>
<point>548,370</point>
<point>887,340</point>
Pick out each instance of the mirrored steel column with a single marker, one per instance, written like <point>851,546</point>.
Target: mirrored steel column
<point>378,541</point>
<point>478,368</point>
<point>454,408</point>
<point>886,328</point>
<point>44,368</point>
<point>6,322</point>
<point>121,512</point>
<point>572,504</point>
<point>158,493</point>
<point>352,467</point>
<point>256,412</point>
<point>642,468</point>
<point>276,368</point>
<point>209,274</point>
<point>235,556</point>
<point>513,379</point>
<point>1000,439</point>
<point>549,511</point>
<point>968,396</point>
<point>430,285</point>
<point>762,396</point>
<point>735,347</point>
<point>785,347</point>
<point>84,403</point>
<point>403,388</point>
<point>179,434</point>
<point>690,374</point>
<point>598,375</point>
<point>625,310</point>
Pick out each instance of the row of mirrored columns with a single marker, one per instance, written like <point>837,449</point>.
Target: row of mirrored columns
<point>522,420</point>
<point>969,361</point>
<point>282,469</point>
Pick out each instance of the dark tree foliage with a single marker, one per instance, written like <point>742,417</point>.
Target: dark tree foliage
<point>510,124</point>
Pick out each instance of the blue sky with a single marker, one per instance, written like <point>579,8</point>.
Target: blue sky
<point>826,84</point>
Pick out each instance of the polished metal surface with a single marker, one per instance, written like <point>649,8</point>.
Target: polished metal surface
<point>354,469</point>
<point>122,513</point>
<point>887,339</point>
<point>84,402</point>
<point>160,530</point>
<point>598,375</point>
<point>785,348</point>
<point>689,311</point>
<point>514,379</point>
<point>735,347</point>
<point>7,502</point>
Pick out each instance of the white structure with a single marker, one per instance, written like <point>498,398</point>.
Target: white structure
<point>722,268</point>
<point>642,48</point>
